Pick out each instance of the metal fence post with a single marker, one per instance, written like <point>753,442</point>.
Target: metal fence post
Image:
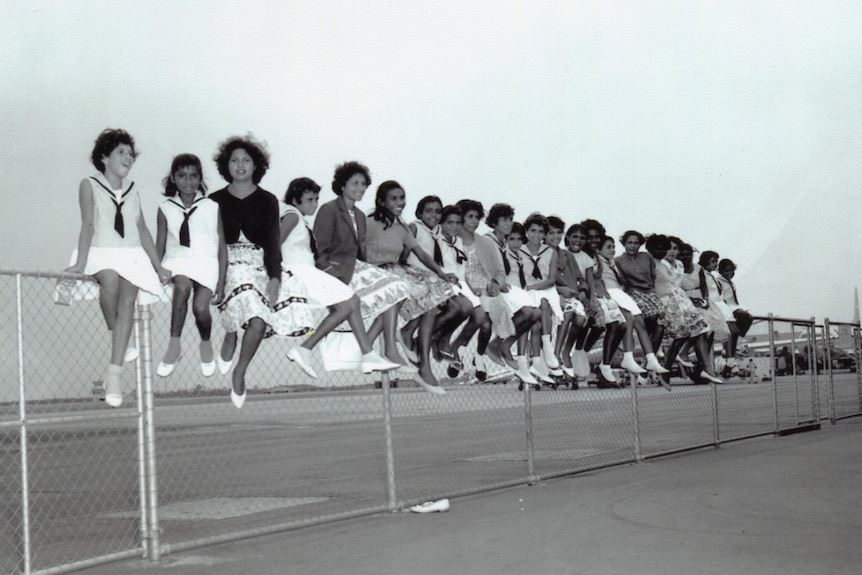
<point>857,344</point>
<point>827,367</point>
<point>390,453</point>
<point>143,484</point>
<point>22,414</point>
<point>145,385</point>
<point>636,419</point>
<point>772,373</point>
<point>815,384</point>
<point>528,428</point>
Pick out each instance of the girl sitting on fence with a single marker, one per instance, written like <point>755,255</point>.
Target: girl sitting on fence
<point>190,242</point>
<point>115,246</point>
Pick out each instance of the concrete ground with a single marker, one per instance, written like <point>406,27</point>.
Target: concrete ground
<point>776,505</point>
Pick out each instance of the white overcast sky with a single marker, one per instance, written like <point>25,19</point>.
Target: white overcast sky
<point>735,125</point>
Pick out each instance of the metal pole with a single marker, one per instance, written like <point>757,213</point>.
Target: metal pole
<point>815,386</point>
<point>715,428</point>
<point>857,340</point>
<point>142,443</point>
<point>636,419</point>
<point>772,372</point>
<point>528,426</point>
<point>793,368</point>
<point>22,413</point>
<point>827,366</point>
<point>390,454</point>
<point>145,366</point>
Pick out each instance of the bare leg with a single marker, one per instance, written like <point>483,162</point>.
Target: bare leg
<point>109,293</point>
<point>250,342</point>
<point>179,309</point>
<point>426,328</point>
<point>337,314</point>
<point>203,320</point>
<point>128,293</point>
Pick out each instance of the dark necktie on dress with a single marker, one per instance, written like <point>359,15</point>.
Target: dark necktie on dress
<point>507,267</point>
<point>537,273</point>
<point>119,224</point>
<point>185,240</point>
<point>521,276</point>
<point>438,254</point>
<point>460,256</point>
<point>312,243</point>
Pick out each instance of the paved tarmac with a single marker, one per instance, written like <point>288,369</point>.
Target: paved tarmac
<point>774,505</point>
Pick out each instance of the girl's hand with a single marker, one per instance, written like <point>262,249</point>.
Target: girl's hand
<point>272,288</point>
<point>698,302</point>
<point>493,289</point>
<point>504,287</point>
<point>218,294</point>
<point>451,278</point>
<point>165,275</point>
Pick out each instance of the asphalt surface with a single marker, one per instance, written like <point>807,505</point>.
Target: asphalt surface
<point>769,505</point>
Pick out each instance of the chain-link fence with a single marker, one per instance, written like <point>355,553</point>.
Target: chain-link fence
<point>179,467</point>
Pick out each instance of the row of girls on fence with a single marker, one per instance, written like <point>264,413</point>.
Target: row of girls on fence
<point>269,273</point>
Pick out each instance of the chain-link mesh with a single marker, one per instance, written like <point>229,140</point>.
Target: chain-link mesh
<point>80,461</point>
<point>304,451</point>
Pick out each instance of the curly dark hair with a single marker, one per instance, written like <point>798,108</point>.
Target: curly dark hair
<point>257,151</point>
<point>536,219</point>
<point>471,206</point>
<point>635,233</point>
<point>591,224</point>
<point>297,187</point>
<point>182,161</point>
<point>657,243</point>
<point>344,172</point>
<point>498,211</point>
<point>106,142</point>
<point>380,213</point>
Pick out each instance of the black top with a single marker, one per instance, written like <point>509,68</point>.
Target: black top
<point>256,216</point>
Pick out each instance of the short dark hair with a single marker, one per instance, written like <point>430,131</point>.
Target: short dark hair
<point>179,162</point>
<point>345,171</point>
<point>420,207</point>
<point>257,151</point>
<point>297,187</point>
<point>726,265</point>
<point>518,229</point>
<point>706,256</point>
<point>536,219</point>
<point>448,211</point>
<point>498,211</point>
<point>107,142</point>
<point>556,223</point>
<point>471,206</point>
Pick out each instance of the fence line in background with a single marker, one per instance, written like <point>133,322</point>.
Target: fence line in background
<point>177,467</point>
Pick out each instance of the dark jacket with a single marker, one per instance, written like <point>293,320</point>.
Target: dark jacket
<point>338,247</point>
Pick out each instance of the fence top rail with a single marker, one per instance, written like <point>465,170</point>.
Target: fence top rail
<point>51,275</point>
<point>850,323</point>
<point>809,321</point>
